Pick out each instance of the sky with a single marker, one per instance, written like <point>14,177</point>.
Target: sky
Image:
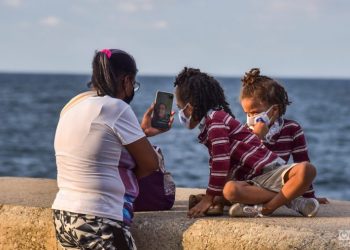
<point>289,38</point>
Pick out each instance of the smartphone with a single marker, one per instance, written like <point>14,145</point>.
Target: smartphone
<point>162,110</point>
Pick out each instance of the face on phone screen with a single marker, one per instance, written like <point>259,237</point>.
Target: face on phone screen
<point>162,109</point>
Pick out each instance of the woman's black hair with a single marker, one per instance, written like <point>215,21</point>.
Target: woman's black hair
<point>202,91</point>
<point>108,69</point>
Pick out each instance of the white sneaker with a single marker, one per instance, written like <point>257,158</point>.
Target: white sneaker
<point>241,210</point>
<point>308,207</point>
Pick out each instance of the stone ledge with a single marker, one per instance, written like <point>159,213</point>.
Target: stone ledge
<point>26,223</point>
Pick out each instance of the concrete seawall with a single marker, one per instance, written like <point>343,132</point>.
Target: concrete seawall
<point>26,223</point>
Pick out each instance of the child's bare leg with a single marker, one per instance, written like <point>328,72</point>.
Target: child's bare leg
<point>297,182</point>
<point>221,200</point>
<point>242,192</point>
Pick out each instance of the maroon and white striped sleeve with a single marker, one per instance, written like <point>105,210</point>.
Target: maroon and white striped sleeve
<point>299,149</point>
<point>220,158</point>
<point>300,153</point>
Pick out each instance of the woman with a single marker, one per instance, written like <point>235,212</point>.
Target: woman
<point>100,147</point>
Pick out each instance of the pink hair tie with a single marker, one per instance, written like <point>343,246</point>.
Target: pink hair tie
<point>107,52</point>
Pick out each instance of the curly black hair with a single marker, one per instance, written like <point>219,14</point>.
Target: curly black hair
<point>202,91</point>
<point>264,89</point>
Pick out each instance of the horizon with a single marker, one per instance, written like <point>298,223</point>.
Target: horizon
<point>321,78</point>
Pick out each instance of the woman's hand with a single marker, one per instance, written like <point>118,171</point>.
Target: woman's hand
<point>146,124</point>
<point>202,207</point>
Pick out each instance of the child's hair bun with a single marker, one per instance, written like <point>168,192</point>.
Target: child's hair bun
<point>250,77</point>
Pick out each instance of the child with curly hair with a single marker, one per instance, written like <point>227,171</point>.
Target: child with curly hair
<point>242,169</point>
<point>265,102</point>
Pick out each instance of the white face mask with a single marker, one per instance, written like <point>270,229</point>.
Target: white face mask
<point>274,129</point>
<point>261,117</point>
<point>183,119</point>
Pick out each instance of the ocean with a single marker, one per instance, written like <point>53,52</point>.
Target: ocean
<point>30,105</point>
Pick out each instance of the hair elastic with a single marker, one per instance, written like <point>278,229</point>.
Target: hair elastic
<point>107,52</point>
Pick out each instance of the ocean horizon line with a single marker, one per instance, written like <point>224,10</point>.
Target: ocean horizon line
<point>168,75</point>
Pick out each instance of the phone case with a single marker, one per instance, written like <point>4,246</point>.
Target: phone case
<point>162,110</point>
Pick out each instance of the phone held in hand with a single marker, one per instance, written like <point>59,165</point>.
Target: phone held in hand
<point>162,110</point>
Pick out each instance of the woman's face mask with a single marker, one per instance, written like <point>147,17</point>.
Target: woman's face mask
<point>183,119</point>
<point>261,117</point>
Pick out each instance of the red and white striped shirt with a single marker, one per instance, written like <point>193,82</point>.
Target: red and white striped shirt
<point>233,150</point>
<point>290,141</point>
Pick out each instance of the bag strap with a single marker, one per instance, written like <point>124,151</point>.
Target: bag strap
<point>160,158</point>
<point>77,99</point>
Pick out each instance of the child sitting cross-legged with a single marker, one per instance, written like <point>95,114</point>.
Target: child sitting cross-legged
<point>265,102</point>
<point>242,169</point>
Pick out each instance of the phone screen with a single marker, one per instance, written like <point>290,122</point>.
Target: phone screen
<point>162,109</point>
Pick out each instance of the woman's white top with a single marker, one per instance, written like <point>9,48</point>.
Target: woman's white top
<point>94,170</point>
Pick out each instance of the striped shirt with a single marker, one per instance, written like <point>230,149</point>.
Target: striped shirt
<point>290,141</point>
<point>233,150</point>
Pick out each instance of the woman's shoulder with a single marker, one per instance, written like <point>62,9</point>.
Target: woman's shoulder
<point>113,108</point>
<point>114,103</point>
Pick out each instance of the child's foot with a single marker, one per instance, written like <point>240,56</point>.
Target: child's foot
<point>241,210</point>
<point>308,207</point>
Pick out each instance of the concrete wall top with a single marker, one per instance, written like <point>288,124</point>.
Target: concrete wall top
<point>26,223</point>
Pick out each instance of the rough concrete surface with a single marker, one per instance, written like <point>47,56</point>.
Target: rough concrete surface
<point>26,223</point>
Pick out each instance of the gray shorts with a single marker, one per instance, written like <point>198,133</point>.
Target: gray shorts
<point>272,177</point>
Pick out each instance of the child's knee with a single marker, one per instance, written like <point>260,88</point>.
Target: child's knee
<point>231,191</point>
<point>307,171</point>
<point>311,170</point>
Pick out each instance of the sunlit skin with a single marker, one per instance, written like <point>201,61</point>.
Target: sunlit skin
<point>297,182</point>
<point>252,106</point>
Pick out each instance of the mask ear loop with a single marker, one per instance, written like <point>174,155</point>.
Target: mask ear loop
<point>267,111</point>
<point>123,85</point>
<point>273,116</point>
<point>183,109</point>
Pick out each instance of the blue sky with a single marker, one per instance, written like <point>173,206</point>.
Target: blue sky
<point>292,38</point>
